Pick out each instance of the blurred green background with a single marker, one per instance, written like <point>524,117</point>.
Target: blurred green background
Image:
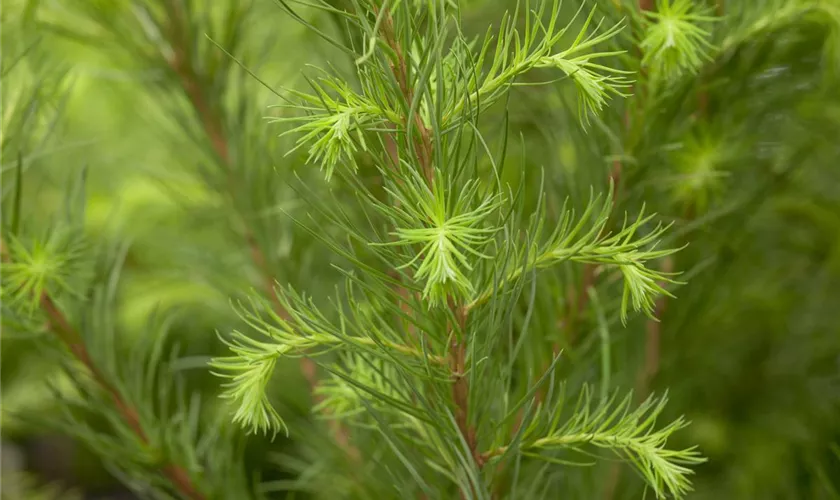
<point>750,349</point>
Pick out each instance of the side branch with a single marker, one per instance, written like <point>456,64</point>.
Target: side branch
<point>424,154</point>
<point>58,324</point>
<point>214,130</point>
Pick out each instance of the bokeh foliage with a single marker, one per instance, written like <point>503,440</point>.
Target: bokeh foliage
<point>728,131</point>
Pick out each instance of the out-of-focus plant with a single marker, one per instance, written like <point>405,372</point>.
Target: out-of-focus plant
<point>440,261</point>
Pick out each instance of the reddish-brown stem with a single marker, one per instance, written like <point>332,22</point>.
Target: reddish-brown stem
<point>214,130</point>
<point>460,382</point>
<point>192,88</point>
<point>652,327</point>
<point>653,333</point>
<point>423,150</point>
<point>461,385</point>
<point>58,324</point>
<point>458,345</point>
<point>423,140</point>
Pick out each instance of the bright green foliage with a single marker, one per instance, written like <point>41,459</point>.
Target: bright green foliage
<point>624,250</point>
<point>250,369</point>
<point>629,433</point>
<point>675,40</point>
<point>448,238</point>
<point>335,130</point>
<point>458,83</point>
<point>355,249</point>
<point>452,238</point>
<point>512,55</point>
<point>701,162</point>
<point>595,82</point>
<point>47,267</point>
<point>341,400</point>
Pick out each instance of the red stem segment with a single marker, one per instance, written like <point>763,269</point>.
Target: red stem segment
<point>424,151</point>
<point>214,130</point>
<point>653,334</point>
<point>460,382</point>
<point>423,141</point>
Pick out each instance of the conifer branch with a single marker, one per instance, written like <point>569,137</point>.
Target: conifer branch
<point>192,85</point>
<point>458,345</point>
<point>441,225</point>
<point>458,333</point>
<point>596,246</point>
<point>630,434</point>
<point>214,130</point>
<point>60,326</point>
<point>449,261</point>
